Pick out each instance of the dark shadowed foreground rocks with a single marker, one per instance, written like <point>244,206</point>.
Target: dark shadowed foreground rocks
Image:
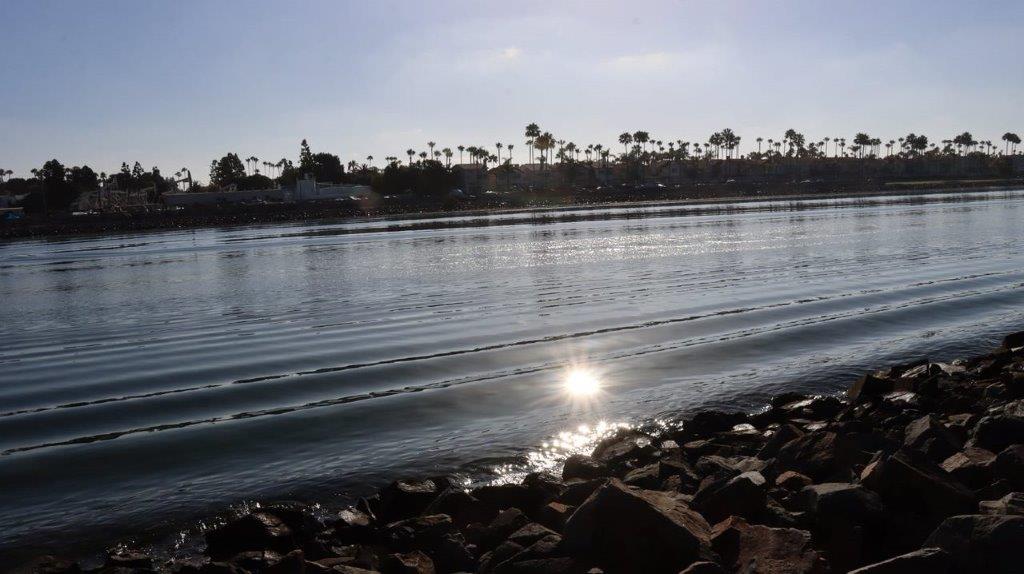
<point>920,468</point>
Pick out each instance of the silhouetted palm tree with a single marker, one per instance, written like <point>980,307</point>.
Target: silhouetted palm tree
<point>461,149</point>
<point>410,152</point>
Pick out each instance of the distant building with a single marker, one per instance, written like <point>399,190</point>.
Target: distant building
<point>305,190</point>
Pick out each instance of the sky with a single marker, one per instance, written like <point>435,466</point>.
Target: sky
<point>178,83</point>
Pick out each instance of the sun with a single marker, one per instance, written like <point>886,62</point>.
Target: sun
<point>582,383</point>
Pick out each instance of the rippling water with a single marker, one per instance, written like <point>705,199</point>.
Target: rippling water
<point>147,380</point>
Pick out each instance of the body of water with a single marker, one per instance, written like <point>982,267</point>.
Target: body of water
<point>149,380</point>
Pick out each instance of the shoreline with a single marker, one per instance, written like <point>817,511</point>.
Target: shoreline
<point>920,467</point>
<point>248,216</point>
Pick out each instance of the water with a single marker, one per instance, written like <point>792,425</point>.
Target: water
<point>148,380</point>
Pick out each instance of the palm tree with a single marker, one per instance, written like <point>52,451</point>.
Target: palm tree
<point>461,148</point>
<point>499,146</point>
<point>509,148</point>
<point>410,152</point>
<point>431,146</point>
<point>532,133</point>
<point>625,138</point>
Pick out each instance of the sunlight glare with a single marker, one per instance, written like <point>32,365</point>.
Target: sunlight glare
<point>582,383</point>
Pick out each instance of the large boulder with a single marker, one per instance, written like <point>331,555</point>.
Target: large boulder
<point>927,435</point>
<point>838,502</point>
<point>634,530</point>
<point>623,446</point>
<point>253,532</point>
<point>1009,465</point>
<point>410,563</point>
<point>981,543</point>
<point>743,495</point>
<point>406,498</point>
<point>756,549</point>
<point>996,432</point>
<point>908,481</point>
<point>869,386</point>
<point>923,561</point>
<point>1012,503</point>
<point>971,466</point>
<point>582,466</point>
<point>813,454</point>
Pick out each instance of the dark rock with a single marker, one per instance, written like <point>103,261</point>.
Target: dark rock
<point>503,525</point>
<point>923,561</point>
<point>929,436</point>
<point>911,482</point>
<point>503,496</point>
<point>838,502</point>
<point>352,526</point>
<point>556,565</point>
<point>529,534</point>
<point>981,543</point>
<point>421,532</point>
<point>743,495</point>
<point>763,550</point>
<point>707,423</point>
<point>704,568</point>
<point>502,553</point>
<point>554,514</point>
<point>791,480</point>
<point>648,476</point>
<point>292,563</point>
<point>1009,465</point>
<point>1012,503</point>
<point>577,491</point>
<point>996,432</point>
<point>410,563</point>
<point>297,517</point>
<point>453,555</point>
<point>623,446</point>
<point>782,435</point>
<point>629,529</point>
<point>869,386</point>
<point>256,531</point>
<point>406,498</point>
<point>51,565</point>
<point>971,466</point>
<point>256,560</point>
<point>813,454</point>
<point>462,506</point>
<point>1013,340</point>
<point>128,559</point>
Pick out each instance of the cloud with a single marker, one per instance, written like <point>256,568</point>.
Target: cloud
<point>648,61</point>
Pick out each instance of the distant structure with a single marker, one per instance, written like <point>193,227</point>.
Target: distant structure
<point>307,189</point>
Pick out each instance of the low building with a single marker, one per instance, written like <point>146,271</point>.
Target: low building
<point>305,190</point>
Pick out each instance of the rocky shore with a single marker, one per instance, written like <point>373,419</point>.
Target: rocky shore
<point>920,468</point>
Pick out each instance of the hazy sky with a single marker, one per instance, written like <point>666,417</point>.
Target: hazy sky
<point>177,83</point>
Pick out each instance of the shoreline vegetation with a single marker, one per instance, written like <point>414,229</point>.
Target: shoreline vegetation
<point>918,468</point>
<point>59,225</point>
<point>60,200</point>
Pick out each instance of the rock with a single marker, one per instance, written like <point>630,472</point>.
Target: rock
<point>462,506</point>
<point>129,559</point>
<point>784,434</point>
<point>813,454</point>
<point>554,514</point>
<point>583,467</point>
<point>452,555</point>
<point>704,568</point>
<point>51,565</point>
<point>623,446</point>
<point>981,543</point>
<point>635,530</point>
<point>502,496</point>
<point>421,532</point>
<point>292,563</point>
<point>1009,465</point>
<point>557,565</point>
<point>406,498</point>
<point>256,531</point>
<point>255,560</point>
<point>792,480</point>
<point>839,502</point>
<point>410,563</point>
<point>868,386</point>
<point>577,491</point>
<point>1012,503</point>
<point>1013,340</point>
<point>352,526</point>
<point>756,549</point>
<point>911,482</point>
<point>742,495</point>
<point>929,436</point>
<point>503,525</point>
<point>971,466</point>
<point>707,423</point>
<point>923,561</point>
<point>502,553</point>
<point>648,476</point>
<point>996,432</point>
<point>529,534</point>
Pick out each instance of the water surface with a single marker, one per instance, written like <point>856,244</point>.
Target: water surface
<point>150,379</point>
